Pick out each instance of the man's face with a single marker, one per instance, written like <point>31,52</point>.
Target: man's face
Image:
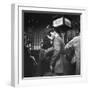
<point>52,34</point>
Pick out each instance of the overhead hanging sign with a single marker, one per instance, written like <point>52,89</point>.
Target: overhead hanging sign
<point>67,22</point>
<point>58,22</point>
<point>62,21</point>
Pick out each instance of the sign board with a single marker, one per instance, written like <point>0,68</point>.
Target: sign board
<point>67,22</point>
<point>62,21</point>
<point>58,22</point>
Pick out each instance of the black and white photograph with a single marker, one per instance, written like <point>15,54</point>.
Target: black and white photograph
<point>51,43</point>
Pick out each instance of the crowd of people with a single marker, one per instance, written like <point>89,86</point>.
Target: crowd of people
<point>55,56</point>
<point>58,58</point>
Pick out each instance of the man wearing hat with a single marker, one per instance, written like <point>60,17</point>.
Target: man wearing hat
<point>56,63</point>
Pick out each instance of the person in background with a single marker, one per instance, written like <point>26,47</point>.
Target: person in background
<point>75,43</point>
<point>44,58</point>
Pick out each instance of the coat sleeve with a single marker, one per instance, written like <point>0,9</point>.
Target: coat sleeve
<point>49,50</point>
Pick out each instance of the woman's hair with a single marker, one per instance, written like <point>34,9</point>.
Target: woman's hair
<point>46,43</point>
<point>49,31</point>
